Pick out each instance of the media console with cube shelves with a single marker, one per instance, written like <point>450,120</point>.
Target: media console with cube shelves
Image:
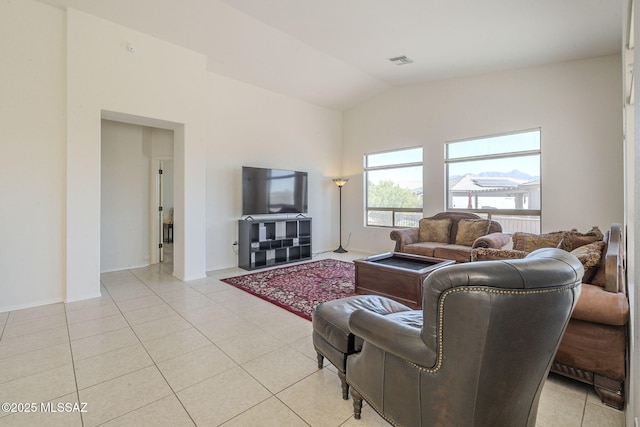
<point>268,242</point>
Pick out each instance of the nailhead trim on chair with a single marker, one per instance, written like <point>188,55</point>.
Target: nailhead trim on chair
<point>445,294</point>
<point>441,323</point>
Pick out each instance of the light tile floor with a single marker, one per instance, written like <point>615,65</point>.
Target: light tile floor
<point>157,351</point>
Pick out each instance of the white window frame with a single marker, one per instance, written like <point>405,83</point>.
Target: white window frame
<point>506,155</point>
<point>393,210</point>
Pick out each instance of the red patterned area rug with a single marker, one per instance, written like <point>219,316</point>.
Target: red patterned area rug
<point>299,288</point>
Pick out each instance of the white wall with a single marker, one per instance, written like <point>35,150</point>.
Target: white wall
<point>248,126</point>
<point>62,73</point>
<point>32,146</point>
<point>577,105</point>
<point>124,197</point>
<point>160,83</point>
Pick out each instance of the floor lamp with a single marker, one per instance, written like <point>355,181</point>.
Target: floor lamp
<point>340,182</point>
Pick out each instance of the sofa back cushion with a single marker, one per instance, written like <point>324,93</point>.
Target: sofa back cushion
<point>455,217</point>
<point>434,230</point>
<point>470,229</point>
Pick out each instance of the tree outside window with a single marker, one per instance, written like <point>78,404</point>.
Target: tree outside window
<point>394,188</point>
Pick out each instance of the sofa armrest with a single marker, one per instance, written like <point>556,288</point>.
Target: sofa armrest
<point>404,236</point>
<point>492,254</point>
<point>493,240</point>
<point>392,336</point>
<point>596,305</point>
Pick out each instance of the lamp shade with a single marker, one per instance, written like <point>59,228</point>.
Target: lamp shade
<point>340,181</point>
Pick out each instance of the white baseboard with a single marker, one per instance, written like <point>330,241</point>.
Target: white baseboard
<point>30,304</point>
<point>125,268</point>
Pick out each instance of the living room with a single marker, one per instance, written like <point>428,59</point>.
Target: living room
<point>67,70</point>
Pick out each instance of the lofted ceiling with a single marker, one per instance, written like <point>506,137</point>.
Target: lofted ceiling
<point>335,53</point>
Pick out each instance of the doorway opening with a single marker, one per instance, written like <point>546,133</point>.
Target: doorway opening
<point>135,203</point>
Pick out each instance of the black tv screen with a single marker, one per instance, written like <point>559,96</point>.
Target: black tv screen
<point>273,191</point>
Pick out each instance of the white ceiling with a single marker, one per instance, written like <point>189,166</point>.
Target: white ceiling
<point>334,53</point>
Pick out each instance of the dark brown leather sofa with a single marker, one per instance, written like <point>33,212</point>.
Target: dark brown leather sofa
<point>594,347</point>
<point>450,235</point>
<point>479,351</point>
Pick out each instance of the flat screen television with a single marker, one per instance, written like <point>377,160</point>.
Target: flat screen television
<point>273,191</point>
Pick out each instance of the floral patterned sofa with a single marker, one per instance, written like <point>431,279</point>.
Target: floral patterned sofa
<point>594,346</point>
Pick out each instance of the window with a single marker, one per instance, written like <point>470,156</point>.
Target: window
<point>497,177</point>
<point>393,188</point>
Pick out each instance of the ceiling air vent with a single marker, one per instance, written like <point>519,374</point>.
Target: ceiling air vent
<point>401,60</point>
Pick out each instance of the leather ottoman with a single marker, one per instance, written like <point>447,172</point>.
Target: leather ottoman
<point>331,335</point>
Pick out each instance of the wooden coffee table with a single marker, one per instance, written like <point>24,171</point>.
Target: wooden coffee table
<point>396,275</point>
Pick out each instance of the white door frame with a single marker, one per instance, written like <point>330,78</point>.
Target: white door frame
<point>155,223</point>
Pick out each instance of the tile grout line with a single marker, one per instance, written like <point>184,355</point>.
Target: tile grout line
<point>214,344</point>
<point>148,286</point>
<point>149,355</point>
<point>272,394</point>
<point>4,325</point>
<point>73,363</point>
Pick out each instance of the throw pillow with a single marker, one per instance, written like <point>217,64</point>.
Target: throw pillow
<point>573,239</point>
<point>589,255</point>
<point>530,242</point>
<point>434,230</point>
<point>470,229</point>
<point>487,254</point>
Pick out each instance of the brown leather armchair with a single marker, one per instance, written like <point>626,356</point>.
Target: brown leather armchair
<point>478,352</point>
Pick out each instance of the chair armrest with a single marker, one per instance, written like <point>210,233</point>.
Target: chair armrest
<point>491,254</point>
<point>596,305</point>
<point>493,240</point>
<point>392,335</point>
<point>404,236</point>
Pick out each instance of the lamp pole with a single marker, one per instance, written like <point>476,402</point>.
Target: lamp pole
<point>340,182</point>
